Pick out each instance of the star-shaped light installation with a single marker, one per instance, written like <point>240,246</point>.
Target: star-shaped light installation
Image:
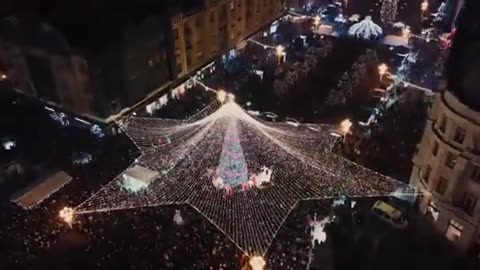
<point>243,174</point>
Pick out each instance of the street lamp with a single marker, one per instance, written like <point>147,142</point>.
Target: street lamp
<point>382,69</point>
<point>424,7</point>
<point>316,22</point>
<point>257,263</point>
<point>67,214</point>
<point>221,95</point>
<point>280,52</point>
<point>345,126</point>
<point>406,32</point>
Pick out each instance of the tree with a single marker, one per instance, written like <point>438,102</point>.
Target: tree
<point>388,11</point>
<point>232,167</point>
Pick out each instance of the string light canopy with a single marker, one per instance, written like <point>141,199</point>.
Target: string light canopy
<point>241,173</point>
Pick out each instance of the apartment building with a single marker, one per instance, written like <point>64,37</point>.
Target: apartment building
<point>447,168</point>
<point>201,35</point>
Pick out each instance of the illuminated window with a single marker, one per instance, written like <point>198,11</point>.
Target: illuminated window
<point>459,135</point>
<point>476,173</point>
<point>435,149</point>
<point>469,202</point>
<point>433,211</point>
<point>443,124</point>
<point>426,173</point>
<point>442,185</point>
<point>454,231</point>
<point>451,160</point>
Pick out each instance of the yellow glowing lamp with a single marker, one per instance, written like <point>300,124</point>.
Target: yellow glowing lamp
<point>257,263</point>
<point>67,214</point>
<point>424,6</point>
<point>221,95</point>
<point>345,126</point>
<point>382,69</point>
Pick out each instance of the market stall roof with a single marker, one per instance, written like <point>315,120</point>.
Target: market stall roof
<point>40,190</point>
<point>141,174</point>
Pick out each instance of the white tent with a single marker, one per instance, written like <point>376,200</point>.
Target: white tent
<point>324,29</point>
<point>393,40</point>
<point>138,178</point>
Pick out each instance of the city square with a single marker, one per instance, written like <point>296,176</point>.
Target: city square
<point>276,154</point>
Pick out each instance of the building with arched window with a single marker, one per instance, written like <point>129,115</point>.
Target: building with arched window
<point>447,162</point>
<point>447,168</point>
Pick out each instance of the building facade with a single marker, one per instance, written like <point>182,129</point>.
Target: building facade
<point>218,26</point>
<point>447,168</point>
<point>96,79</point>
<point>96,61</point>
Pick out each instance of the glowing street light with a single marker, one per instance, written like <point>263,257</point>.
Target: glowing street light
<point>3,76</point>
<point>316,22</point>
<point>406,32</point>
<point>382,69</point>
<point>257,263</point>
<point>424,7</point>
<point>345,126</point>
<point>280,52</point>
<point>221,95</point>
<point>67,214</point>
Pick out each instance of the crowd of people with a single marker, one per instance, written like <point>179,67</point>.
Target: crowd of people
<point>27,234</point>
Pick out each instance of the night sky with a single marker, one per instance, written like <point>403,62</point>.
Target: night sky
<point>464,63</point>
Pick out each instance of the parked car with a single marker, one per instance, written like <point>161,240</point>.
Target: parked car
<point>292,122</point>
<point>390,215</point>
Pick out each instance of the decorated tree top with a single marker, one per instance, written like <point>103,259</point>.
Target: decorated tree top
<point>365,29</point>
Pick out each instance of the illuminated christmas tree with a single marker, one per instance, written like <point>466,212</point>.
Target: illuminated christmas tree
<point>388,11</point>
<point>232,167</point>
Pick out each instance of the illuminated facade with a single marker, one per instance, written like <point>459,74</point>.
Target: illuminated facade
<point>219,26</point>
<point>447,168</point>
